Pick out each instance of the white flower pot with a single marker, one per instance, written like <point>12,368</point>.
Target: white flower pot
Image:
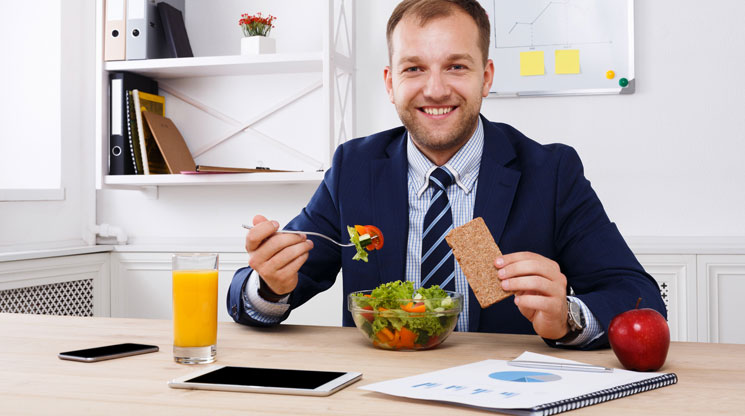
<point>255,45</point>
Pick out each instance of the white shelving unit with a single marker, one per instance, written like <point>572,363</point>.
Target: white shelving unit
<point>275,178</point>
<point>208,66</point>
<point>335,67</point>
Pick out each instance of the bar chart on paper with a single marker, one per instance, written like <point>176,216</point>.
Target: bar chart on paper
<point>557,47</point>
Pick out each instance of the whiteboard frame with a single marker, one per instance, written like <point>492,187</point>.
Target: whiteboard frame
<point>629,89</point>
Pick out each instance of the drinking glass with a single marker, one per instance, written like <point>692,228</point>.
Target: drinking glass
<point>194,307</point>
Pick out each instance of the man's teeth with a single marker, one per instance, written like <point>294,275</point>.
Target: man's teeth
<point>437,111</point>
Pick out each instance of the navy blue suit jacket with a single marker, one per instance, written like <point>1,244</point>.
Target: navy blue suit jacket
<point>532,197</point>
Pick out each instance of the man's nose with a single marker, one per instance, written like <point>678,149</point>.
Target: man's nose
<point>436,87</point>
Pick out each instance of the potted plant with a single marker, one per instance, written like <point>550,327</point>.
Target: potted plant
<point>256,30</point>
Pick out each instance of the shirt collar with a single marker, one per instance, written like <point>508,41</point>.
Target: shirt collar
<point>464,165</point>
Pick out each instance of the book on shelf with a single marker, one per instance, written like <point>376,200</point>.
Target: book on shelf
<point>175,151</point>
<point>133,136</point>
<point>497,385</point>
<point>152,159</point>
<point>120,151</point>
<point>174,29</point>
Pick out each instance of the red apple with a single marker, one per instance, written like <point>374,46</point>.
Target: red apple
<point>640,339</point>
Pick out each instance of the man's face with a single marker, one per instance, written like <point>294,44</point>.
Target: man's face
<point>437,80</point>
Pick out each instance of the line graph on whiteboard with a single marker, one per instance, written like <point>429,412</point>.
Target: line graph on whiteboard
<point>535,24</point>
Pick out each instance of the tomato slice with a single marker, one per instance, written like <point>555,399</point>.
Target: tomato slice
<point>377,243</point>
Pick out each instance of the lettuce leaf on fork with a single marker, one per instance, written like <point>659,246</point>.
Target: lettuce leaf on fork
<point>354,237</point>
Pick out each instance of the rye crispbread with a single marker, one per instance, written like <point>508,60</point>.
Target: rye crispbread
<point>475,250</point>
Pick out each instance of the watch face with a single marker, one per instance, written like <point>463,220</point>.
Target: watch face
<point>575,315</point>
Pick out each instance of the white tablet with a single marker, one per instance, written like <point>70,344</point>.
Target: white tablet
<point>266,380</point>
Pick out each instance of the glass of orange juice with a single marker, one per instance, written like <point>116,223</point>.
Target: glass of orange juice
<point>194,307</point>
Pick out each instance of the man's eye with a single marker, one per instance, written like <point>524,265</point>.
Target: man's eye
<point>412,69</point>
<point>458,66</point>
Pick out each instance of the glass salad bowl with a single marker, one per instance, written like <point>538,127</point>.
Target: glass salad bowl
<point>418,322</point>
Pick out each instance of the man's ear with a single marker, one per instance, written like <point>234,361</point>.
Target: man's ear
<point>388,80</point>
<point>488,78</point>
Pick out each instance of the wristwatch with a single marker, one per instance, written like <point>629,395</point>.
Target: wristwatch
<point>575,320</point>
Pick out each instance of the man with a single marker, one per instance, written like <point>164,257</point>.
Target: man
<point>534,199</point>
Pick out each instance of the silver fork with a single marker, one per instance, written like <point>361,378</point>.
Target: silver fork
<point>309,233</point>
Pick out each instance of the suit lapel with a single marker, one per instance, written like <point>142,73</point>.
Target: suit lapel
<point>496,189</point>
<point>389,200</point>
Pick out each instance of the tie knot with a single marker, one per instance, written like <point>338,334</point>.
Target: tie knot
<point>440,178</point>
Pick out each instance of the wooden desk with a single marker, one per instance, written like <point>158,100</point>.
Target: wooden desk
<point>34,381</point>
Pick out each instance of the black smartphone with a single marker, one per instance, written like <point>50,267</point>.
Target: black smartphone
<point>107,352</point>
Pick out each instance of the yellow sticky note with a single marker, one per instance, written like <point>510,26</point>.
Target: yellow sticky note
<point>531,63</point>
<point>567,61</point>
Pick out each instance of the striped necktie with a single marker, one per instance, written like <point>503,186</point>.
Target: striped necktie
<point>438,264</point>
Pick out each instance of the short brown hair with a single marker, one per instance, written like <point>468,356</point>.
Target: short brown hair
<point>427,10</point>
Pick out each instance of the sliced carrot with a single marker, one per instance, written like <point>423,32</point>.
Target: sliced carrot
<point>407,338</point>
<point>410,307</point>
<point>396,339</point>
<point>385,335</point>
<point>361,230</point>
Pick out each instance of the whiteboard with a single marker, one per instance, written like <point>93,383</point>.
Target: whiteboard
<point>561,47</point>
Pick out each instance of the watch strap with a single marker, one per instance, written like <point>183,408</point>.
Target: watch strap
<point>267,293</point>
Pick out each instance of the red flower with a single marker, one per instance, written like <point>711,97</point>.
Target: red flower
<point>256,25</point>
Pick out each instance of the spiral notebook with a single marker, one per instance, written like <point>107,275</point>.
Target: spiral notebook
<point>495,385</point>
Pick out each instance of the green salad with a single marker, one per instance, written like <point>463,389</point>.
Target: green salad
<point>395,316</point>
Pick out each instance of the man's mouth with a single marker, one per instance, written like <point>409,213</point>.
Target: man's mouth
<point>436,111</point>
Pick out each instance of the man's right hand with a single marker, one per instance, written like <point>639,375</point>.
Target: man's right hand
<point>277,257</point>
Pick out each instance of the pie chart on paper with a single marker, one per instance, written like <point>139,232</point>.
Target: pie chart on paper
<point>524,376</point>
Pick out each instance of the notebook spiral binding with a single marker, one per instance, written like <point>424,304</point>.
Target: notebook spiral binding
<point>605,395</point>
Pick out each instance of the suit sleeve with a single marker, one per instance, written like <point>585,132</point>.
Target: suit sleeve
<point>599,265</point>
<point>319,272</point>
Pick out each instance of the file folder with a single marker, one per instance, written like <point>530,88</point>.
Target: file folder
<point>177,40</point>
<point>145,36</point>
<point>115,30</point>
<point>121,161</point>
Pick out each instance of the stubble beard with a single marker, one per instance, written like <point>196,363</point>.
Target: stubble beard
<point>439,141</point>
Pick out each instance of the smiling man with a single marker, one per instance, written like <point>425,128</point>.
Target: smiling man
<point>569,267</point>
<point>439,71</point>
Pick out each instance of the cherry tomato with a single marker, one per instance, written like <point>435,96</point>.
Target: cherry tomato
<point>377,243</point>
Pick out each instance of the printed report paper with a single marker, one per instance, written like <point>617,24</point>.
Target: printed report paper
<point>496,385</point>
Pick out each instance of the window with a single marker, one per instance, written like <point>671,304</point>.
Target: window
<point>30,121</point>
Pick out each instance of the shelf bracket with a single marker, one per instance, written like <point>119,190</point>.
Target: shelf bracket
<point>150,192</point>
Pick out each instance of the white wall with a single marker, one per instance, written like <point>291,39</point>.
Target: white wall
<point>666,160</point>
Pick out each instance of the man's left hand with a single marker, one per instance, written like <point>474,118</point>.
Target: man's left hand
<point>540,291</point>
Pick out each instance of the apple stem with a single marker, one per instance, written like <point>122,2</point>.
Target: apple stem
<point>638,301</point>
